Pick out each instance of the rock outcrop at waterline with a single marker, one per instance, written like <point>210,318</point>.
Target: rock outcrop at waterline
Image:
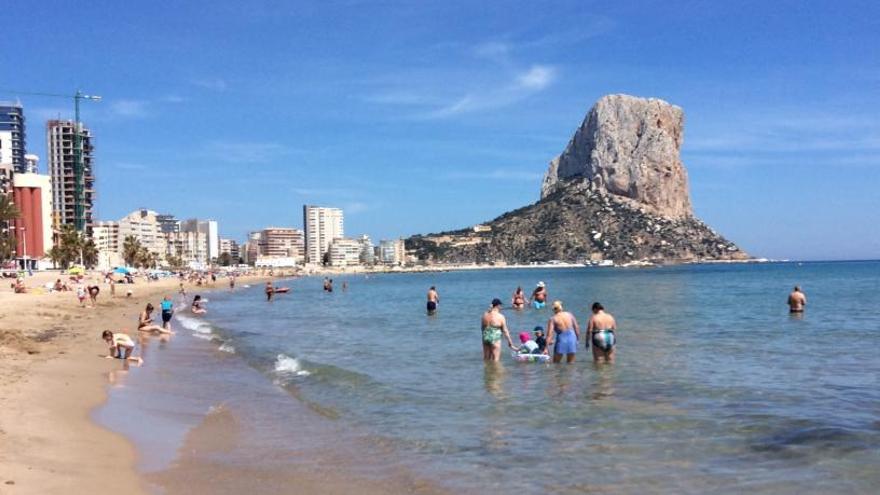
<point>617,192</point>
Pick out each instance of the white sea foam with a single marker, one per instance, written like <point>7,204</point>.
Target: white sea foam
<point>194,324</point>
<point>286,365</point>
<point>203,336</point>
<point>227,348</point>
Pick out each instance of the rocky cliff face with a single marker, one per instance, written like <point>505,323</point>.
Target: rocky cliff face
<point>631,147</point>
<point>618,192</point>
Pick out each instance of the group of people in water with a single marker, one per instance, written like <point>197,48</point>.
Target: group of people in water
<point>563,331</point>
<point>561,339</point>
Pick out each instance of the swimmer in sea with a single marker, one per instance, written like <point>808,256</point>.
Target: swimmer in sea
<point>197,307</point>
<point>600,331</point>
<point>433,300</point>
<point>494,326</point>
<point>797,300</point>
<point>539,296</point>
<point>563,334</point>
<point>270,291</point>
<point>120,346</point>
<point>518,301</point>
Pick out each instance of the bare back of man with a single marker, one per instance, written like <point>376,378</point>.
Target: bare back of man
<point>797,300</point>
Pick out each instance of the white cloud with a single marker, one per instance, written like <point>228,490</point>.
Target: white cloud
<point>245,152</point>
<point>128,108</point>
<point>522,85</point>
<point>537,77</point>
<point>214,84</point>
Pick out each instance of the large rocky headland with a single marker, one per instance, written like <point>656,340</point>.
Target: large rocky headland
<point>619,191</point>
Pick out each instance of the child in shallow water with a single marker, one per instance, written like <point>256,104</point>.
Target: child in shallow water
<point>528,346</point>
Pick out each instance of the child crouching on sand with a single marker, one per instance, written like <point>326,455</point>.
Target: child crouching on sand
<point>120,345</point>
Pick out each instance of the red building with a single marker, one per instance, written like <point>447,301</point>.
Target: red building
<point>33,229</point>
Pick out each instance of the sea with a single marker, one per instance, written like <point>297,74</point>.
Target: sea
<point>716,387</point>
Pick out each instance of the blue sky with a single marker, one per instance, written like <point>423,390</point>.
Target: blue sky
<point>418,117</point>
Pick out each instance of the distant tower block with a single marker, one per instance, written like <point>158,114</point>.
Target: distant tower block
<point>31,164</point>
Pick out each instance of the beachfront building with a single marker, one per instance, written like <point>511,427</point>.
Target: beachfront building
<point>282,242</point>
<point>190,246</point>
<point>12,137</point>
<point>106,237</point>
<point>32,194</point>
<point>208,234</point>
<point>367,250</point>
<point>144,226</point>
<point>322,226</point>
<point>345,252</point>
<point>60,147</point>
<point>230,248</point>
<point>392,252</point>
<point>252,247</point>
<point>167,223</point>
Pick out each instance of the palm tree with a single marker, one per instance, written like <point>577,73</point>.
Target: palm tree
<point>8,213</point>
<point>131,249</point>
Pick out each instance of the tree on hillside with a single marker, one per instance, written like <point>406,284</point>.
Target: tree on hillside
<point>8,213</point>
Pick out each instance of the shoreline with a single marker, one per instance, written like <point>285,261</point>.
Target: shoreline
<point>53,381</point>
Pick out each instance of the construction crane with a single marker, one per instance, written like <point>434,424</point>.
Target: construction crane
<point>78,165</point>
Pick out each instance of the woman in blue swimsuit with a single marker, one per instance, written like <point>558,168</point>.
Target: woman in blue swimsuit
<point>563,333</point>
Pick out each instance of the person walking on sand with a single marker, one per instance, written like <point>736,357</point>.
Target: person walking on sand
<point>494,326</point>
<point>145,321</point>
<point>518,300</point>
<point>539,296</point>
<point>270,291</point>
<point>81,295</point>
<point>563,334</point>
<point>433,300</point>
<point>600,331</point>
<point>797,300</point>
<point>231,282</point>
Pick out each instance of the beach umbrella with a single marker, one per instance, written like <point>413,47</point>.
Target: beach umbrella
<point>77,270</point>
<point>121,269</point>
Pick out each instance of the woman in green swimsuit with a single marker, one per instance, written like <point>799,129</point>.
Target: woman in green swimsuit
<point>494,325</point>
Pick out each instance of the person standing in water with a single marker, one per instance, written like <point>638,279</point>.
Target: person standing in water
<point>270,291</point>
<point>539,296</point>
<point>797,300</point>
<point>563,334</point>
<point>433,300</point>
<point>494,326</point>
<point>518,301</point>
<point>600,331</point>
<point>167,312</point>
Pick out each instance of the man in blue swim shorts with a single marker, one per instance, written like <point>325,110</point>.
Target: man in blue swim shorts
<point>563,333</point>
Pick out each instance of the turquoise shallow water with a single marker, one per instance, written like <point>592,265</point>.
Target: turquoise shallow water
<point>716,386</point>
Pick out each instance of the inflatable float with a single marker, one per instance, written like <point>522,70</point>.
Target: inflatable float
<point>282,290</point>
<point>530,358</point>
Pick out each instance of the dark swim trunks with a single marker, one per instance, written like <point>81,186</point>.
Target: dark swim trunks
<point>166,316</point>
<point>432,306</point>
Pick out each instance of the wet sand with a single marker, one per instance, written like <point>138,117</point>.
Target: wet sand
<point>52,377</point>
<point>60,434</point>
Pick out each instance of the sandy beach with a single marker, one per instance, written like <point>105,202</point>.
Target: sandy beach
<point>53,377</point>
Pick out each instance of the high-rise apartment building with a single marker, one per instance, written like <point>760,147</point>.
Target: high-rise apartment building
<point>367,250</point>
<point>252,247</point>
<point>322,226</point>
<point>69,199</point>
<point>283,241</point>
<point>12,136</point>
<point>144,226</point>
<point>168,223</point>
